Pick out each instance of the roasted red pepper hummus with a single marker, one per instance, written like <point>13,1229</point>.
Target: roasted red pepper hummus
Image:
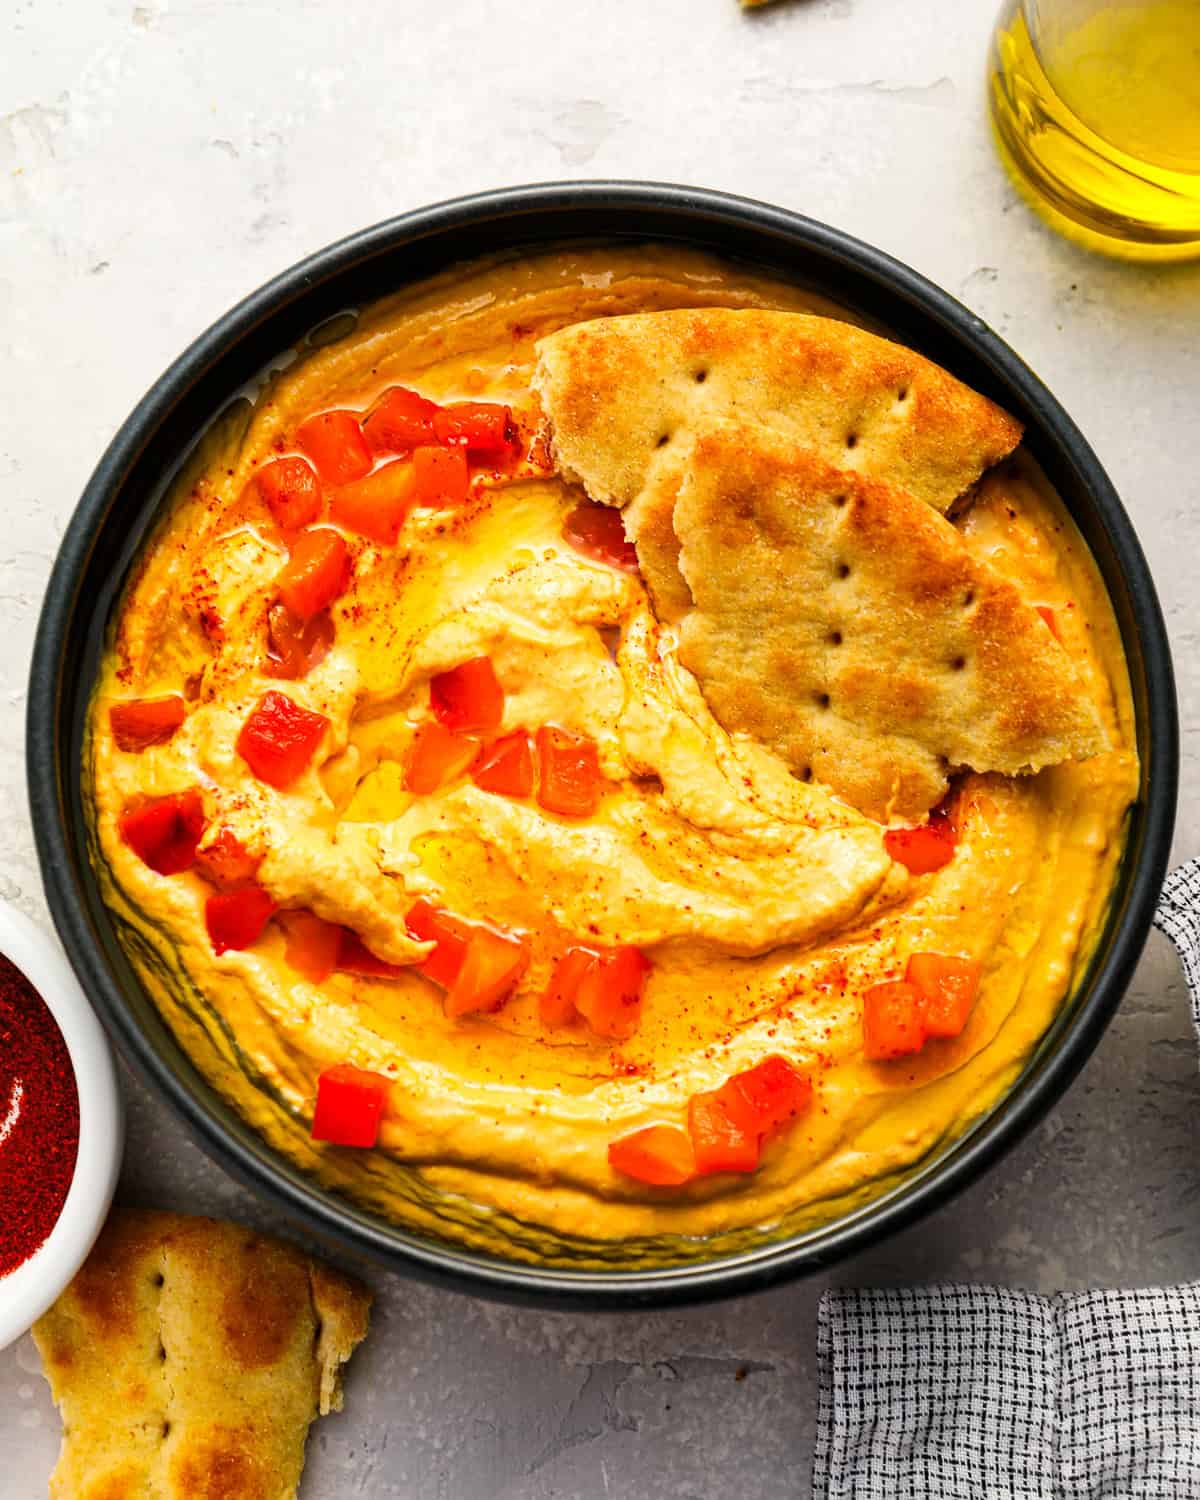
<point>443,869</point>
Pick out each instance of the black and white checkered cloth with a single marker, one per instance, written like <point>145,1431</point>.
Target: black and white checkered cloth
<point>1178,915</point>
<point>981,1393</point>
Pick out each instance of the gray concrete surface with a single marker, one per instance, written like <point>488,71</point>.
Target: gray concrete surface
<point>158,160</point>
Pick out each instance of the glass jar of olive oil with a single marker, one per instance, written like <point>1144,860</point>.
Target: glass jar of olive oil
<point>1096,111</point>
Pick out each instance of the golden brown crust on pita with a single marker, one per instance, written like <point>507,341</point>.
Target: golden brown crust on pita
<point>189,1358</point>
<point>624,393</point>
<point>614,388</point>
<point>756,453</point>
<point>846,624</point>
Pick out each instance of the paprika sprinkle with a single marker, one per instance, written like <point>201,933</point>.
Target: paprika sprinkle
<point>39,1119</point>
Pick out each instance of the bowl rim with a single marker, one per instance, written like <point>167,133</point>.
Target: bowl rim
<point>29,1289</point>
<point>1042,1080</point>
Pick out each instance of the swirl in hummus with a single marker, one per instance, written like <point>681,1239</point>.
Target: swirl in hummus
<point>764,905</point>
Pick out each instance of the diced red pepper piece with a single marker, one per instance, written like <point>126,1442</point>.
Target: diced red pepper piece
<point>598,532</point>
<point>767,1095</point>
<point>354,957</point>
<point>164,834</point>
<point>440,478</point>
<point>291,491</point>
<point>892,1025</point>
<point>376,506</point>
<point>947,987</point>
<point>1051,620</point>
<point>235,919</point>
<point>557,1003</point>
<point>659,1154</point>
<point>491,966</point>
<point>311,944</point>
<point>479,426</point>
<point>141,722</point>
<point>226,861</point>
<point>280,738</point>
<point>609,993</point>
<point>468,698</point>
<point>922,850</point>
<point>506,767</point>
<point>450,933</point>
<point>296,646</point>
<point>349,1105</point>
<point>720,1143</point>
<point>399,421</point>
<point>335,443</point>
<point>436,755</point>
<point>569,779</point>
<point>317,572</point>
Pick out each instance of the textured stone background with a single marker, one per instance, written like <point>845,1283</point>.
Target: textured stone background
<point>157,161</point>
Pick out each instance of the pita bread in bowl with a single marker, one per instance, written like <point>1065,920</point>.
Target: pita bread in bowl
<point>785,479</point>
<point>621,391</point>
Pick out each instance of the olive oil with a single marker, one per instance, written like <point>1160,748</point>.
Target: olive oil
<point>1096,110</point>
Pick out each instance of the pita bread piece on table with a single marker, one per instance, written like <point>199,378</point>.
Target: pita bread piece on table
<point>621,392</point>
<point>189,1357</point>
<point>847,625</point>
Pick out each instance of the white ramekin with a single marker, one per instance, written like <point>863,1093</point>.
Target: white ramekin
<point>27,1291</point>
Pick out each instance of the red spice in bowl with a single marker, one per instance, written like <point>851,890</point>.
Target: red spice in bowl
<point>39,1119</point>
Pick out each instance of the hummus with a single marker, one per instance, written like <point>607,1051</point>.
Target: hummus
<point>765,906</point>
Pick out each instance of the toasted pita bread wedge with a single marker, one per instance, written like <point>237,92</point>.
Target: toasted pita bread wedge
<point>621,392</point>
<point>845,623</point>
<point>189,1357</point>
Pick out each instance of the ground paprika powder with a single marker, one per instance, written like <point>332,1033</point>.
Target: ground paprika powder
<point>39,1119</point>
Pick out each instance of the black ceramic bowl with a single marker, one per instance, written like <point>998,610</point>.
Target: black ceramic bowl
<point>120,501</point>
